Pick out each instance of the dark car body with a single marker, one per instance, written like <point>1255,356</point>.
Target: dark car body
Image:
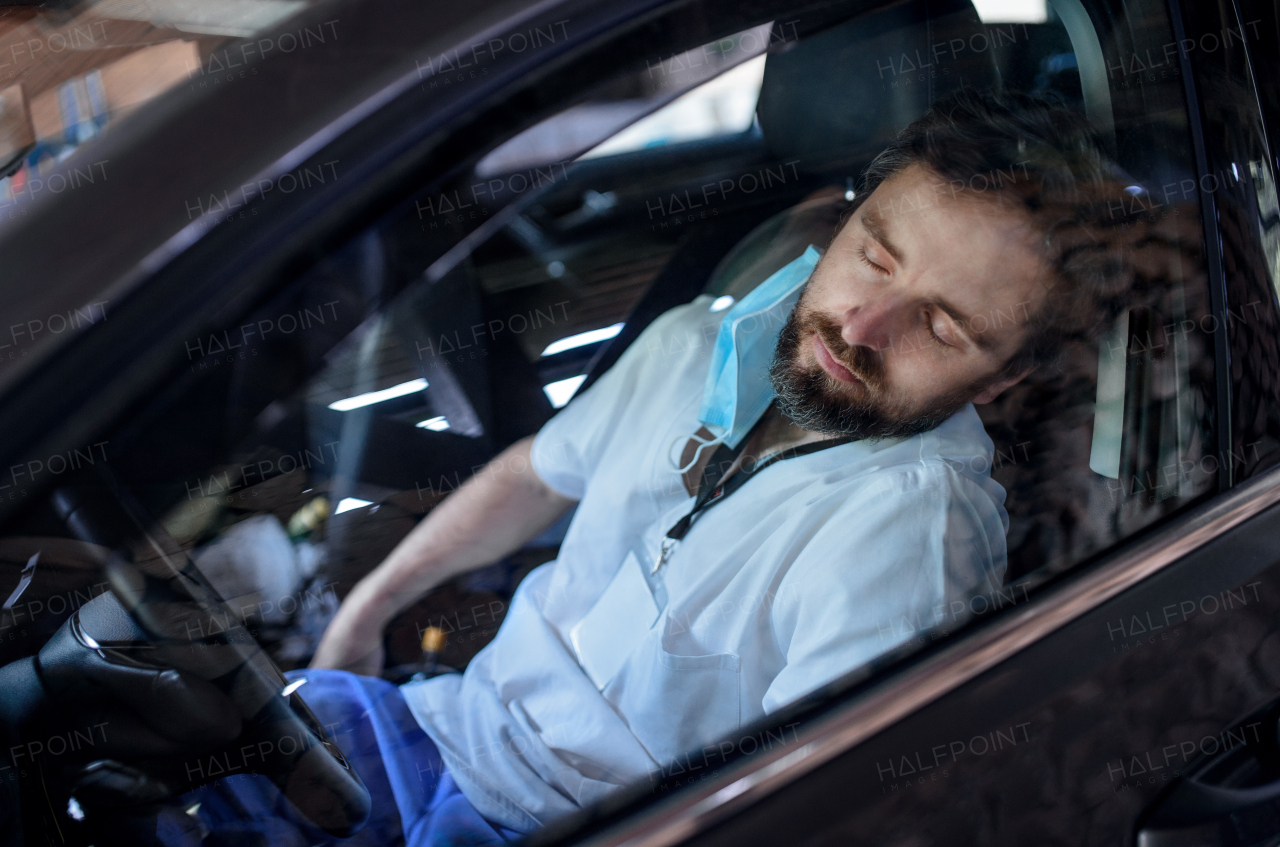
<point>1085,688</point>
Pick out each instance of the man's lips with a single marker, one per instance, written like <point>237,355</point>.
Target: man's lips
<point>829,364</point>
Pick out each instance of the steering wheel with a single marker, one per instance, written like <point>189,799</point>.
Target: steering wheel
<point>164,614</point>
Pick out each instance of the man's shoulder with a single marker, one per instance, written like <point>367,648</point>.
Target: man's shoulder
<point>933,466</point>
<point>930,476</point>
<point>896,509</point>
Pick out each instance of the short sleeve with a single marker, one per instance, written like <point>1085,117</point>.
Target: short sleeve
<point>569,447</point>
<point>887,565</point>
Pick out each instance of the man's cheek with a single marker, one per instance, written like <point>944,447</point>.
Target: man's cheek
<point>905,381</point>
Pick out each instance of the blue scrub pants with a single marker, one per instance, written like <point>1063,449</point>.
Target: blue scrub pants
<point>415,801</point>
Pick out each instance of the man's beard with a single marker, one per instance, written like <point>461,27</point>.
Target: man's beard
<point>816,401</point>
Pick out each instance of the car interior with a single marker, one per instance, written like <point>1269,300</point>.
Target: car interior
<point>398,363</point>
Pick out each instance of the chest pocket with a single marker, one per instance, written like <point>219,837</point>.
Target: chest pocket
<point>616,623</point>
<point>676,704</point>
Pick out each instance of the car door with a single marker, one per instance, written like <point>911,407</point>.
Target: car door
<point>1135,700</point>
<point>378,282</point>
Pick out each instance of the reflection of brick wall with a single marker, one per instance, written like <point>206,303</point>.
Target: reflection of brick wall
<point>468,615</point>
<point>1060,511</point>
<point>469,619</point>
<point>112,90</point>
<point>16,134</point>
<point>1048,481</point>
<point>1255,340</point>
<point>360,539</point>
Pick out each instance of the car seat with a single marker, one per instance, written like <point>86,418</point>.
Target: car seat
<point>830,102</point>
<point>833,95</point>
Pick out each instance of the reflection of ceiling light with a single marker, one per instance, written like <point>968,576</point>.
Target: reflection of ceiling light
<point>292,687</point>
<point>436,424</point>
<point>721,303</point>
<point>561,391</point>
<point>582,339</point>
<point>1011,11</point>
<point>371,397</point>
<point>346,504</point>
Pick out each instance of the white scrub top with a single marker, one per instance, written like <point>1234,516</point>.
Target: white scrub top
<point>802,575</point>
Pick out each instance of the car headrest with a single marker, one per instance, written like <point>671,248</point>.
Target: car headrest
<point>777,241</point>
<point>839,95</point>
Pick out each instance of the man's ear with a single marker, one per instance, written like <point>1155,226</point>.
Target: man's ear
<point>995,389</point>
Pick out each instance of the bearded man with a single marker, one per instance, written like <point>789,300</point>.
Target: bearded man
<point>762,493</point>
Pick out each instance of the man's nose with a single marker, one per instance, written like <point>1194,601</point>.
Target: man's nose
<point>874,325</point>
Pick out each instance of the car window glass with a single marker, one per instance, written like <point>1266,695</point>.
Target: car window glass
<point>720,107</point>
<point>700,93</point>
<point>541,290</point>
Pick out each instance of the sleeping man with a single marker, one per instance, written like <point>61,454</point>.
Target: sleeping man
<point>761,492</point>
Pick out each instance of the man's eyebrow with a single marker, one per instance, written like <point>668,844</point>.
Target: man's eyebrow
<point>874,225</point>
<point>983,340</point>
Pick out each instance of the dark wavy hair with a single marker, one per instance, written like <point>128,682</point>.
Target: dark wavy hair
<point>1048,162</point>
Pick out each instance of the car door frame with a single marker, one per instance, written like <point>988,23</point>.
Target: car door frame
<point>386,129</point>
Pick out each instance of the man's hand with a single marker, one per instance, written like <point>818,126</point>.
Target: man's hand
<point>351,643</point>
<point>494,513</point>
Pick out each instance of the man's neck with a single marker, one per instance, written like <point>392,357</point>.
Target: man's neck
<point>775,432</point>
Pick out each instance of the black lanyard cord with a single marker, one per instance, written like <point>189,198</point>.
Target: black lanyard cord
<point>711,490</point>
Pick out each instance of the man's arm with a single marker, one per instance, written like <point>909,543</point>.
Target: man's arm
<point>492,514</point>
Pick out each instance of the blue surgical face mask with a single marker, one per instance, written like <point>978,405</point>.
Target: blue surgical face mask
<point>738,390</point>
